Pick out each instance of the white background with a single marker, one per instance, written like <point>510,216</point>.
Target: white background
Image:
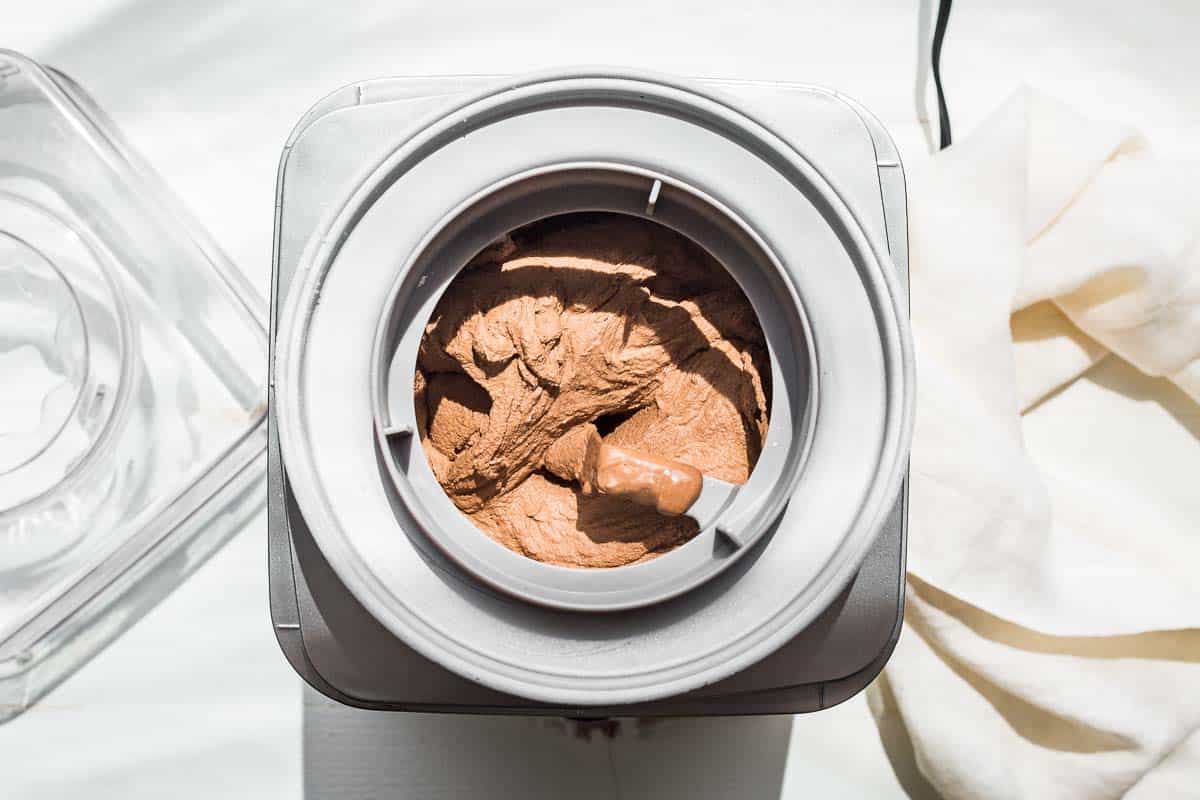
<point>196,701</point>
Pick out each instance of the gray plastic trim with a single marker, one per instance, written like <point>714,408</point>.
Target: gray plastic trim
<point>564,188</point>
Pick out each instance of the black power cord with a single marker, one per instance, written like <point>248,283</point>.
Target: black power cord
<point>939,33</point>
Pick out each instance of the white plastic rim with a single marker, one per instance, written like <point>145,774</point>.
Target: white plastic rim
<point>563,188</point>
<point>856,464</point>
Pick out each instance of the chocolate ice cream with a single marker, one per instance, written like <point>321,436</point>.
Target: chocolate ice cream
<point>589,336</point>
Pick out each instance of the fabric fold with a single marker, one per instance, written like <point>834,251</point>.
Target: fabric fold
<point>1092,242</point>
<point>1051,645</point>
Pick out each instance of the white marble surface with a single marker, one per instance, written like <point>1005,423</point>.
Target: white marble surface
<point>196,701</point>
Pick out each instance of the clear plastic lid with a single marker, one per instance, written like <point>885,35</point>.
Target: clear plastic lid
<point>132,385</point>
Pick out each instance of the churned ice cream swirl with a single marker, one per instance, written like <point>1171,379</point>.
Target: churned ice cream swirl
<point>588,328</point>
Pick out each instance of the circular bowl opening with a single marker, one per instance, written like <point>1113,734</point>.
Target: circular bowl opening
<point>43,352</point>
<point>65,351</point>
<point>557,196</point>
<point>581,334</point>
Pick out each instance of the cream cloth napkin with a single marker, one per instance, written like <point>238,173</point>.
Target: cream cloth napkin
<point>1051,645</point>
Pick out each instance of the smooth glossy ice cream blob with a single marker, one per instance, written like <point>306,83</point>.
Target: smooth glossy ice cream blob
<point>577,380</point>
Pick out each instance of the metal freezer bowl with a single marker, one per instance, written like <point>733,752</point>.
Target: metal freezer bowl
<point>133,404</point>
<point>344,652</point>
